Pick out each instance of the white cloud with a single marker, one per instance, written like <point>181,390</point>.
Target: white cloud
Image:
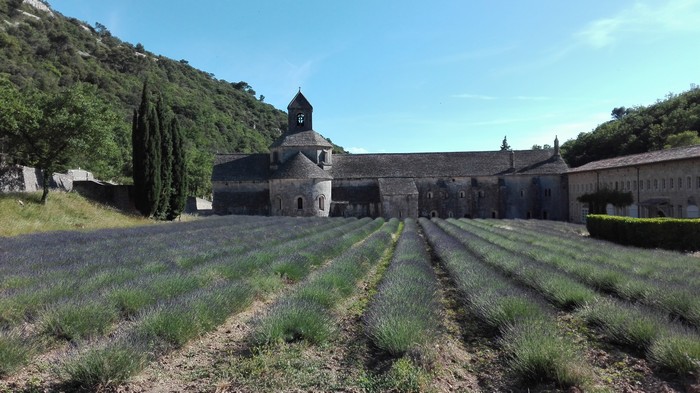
<point>669,16</point>
<point>357,150</point>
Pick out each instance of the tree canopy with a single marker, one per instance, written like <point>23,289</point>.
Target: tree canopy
<point>504,145</point>
<point>51,54</point>
<point>672,122</point>
<point>53,130</point>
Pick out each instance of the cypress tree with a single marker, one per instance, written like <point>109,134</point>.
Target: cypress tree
<point>166,161</point>
<point>152,163</point>
<point>179,185</point>
<point>139,133</point>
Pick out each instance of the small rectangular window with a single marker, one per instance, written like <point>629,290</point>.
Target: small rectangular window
<point>689,183</point>
<point>680,183</point>
<point>656,184</point>
<point>670,183</point>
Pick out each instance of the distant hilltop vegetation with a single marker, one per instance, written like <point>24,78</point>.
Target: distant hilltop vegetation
<point>672,122</point>
<point>44,50</point>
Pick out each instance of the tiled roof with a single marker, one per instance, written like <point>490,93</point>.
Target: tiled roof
<point>679,153</point>
<point>397,186</point>
<point>457,164</point>
<point>300,139</point>
<point>300,167</point>
<point>241,167</point>
<point>299,101</point>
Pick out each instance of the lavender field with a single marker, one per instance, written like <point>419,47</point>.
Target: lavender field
<point>296,304</point>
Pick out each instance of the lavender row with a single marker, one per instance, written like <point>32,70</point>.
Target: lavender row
<point>528,332</point>
<point>668,344</point>
<point>170,324</point>
<point>85,280</point>
<point>604,274</point>
<point>307,313</point>
<point>79,317</point>
<point>401,317</point>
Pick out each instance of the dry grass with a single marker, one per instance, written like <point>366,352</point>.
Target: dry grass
<point>23,213</point>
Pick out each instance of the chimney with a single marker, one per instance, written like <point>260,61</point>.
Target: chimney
<point>512,160</point>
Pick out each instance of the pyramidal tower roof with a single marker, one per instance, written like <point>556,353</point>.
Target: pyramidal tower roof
<point>300,167</point>
<point>299,101</point>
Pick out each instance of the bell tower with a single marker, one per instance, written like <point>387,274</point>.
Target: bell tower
<point>300,114</point>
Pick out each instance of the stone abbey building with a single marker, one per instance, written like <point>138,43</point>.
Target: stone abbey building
<point>301,176</point>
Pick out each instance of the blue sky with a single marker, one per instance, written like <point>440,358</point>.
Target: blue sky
<point>417,76</point>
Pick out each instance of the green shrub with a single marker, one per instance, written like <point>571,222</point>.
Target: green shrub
<point>72,321</point>
<point>130,300</point>
<point>397,333</point>
<point>677,351</point>
<point>666,233</point>
<point>100,368</point>
<point>293,320</point>
<point>537,353</point>
<point>14,352</point>
<point>404,376</point>
<point>624,324</point>
<point>172,326</point>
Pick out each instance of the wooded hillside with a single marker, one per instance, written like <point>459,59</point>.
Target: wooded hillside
<point>49,52</point>
<point>672,122</point>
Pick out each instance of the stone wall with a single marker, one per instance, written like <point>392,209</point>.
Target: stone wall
<point>252,198</point>
<point>542,197</point>
<point>471,197</point>
<point>119,196</point>
<point>356,198</point>
<point>670,188</point>
<point>308,197</point>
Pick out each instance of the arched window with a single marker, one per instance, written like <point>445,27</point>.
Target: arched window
<point>461,194</point>
<point>300,203</point>
<point>321,202</point>
<point>430,195</point>
<point>300,119</point>
<point>433,213</point>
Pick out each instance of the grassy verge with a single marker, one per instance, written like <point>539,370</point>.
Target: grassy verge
<point>23,213</point>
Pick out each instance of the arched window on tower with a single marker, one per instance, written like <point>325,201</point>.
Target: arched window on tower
<point>300,119</point>
<point>321,202</point>
<point>300,203</point>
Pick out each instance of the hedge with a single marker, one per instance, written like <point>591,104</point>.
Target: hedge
<point>666,233</point>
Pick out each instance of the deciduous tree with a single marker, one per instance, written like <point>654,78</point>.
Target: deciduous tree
<point>51,130</point>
